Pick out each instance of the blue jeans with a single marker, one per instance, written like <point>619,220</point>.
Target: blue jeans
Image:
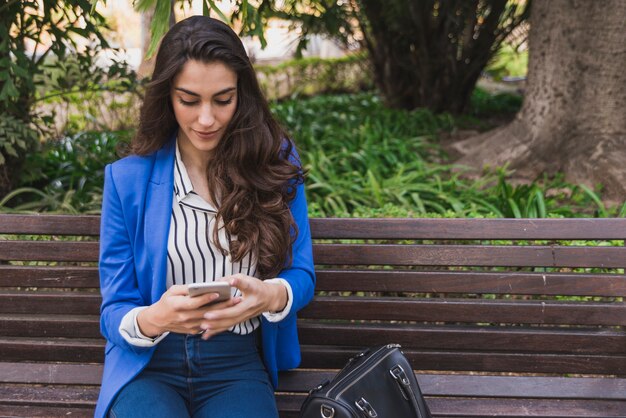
<point>222,377</point>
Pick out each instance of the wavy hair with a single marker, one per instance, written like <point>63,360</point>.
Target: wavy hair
<point>254,170</point>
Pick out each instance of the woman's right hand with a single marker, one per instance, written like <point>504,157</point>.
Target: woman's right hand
<point>176,312</point>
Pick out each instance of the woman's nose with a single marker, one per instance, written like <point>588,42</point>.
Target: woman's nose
<point>206,117</point>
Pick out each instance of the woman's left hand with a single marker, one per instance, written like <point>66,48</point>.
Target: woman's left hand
<point>257,297</point>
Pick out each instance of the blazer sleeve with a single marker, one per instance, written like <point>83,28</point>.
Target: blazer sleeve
<point>118,282</point>
<point>301,273</point>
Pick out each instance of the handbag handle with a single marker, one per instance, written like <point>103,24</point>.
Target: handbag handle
<point>404,384</point>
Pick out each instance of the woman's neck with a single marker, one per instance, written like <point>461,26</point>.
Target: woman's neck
<point>193,159</point>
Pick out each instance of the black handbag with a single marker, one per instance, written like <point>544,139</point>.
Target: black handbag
<point>377,383</point>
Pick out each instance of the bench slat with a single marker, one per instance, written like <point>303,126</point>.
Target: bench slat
<point>370,308</point>
<point>49,276</point>
<point>69,303</point>
<point>50,224</point>
<point>64,350</point>
<point>397,228</point>
<point>92,351</point>
<point>29,411</point>
<point>463,385</point>
<point>85,251</point>
<point>466,338</point>
<point>517,408</point>
<point>507,282</point>
<point>317,357</point>
<point>469,255</point>
<point>72,396</point>
<point>441,408</point>
<point>69,326</point>
<point>46,373</point>
<point>454,229</point>
<point>371,254</point>
<point>466,310</point>
<point>528,339</point>
<point>505,339</point>
<point>302,380</point>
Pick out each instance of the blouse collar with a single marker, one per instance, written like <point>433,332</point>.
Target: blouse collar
<point>183,188</point>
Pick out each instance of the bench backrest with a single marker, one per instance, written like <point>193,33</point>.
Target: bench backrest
<point>483,295</point>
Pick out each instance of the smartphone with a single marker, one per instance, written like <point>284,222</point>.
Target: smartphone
<point>221,288</point>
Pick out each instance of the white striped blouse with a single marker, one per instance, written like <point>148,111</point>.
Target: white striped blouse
<point>192,257</point>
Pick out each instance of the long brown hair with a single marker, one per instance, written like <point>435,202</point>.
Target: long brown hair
<point>253,173</point>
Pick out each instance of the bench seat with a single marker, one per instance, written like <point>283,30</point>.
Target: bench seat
<point>499,317</point>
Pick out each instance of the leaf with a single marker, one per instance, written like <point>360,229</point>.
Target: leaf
<point>541,204</point>
<point>601,209</point>
<point>8,90</point>
<point>10,150</point>
<point>212,6</point>
<point>160,20</point>
<point>514,209</point>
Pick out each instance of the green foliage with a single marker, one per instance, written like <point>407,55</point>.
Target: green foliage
<point>508,62</point>
<point>360,154</point>
<point>68,174</point>
<point>308,76</point>
<point>364,157</point>
<point>15,137</point>
<point>54,28</point>
<point>363,160</point>
<point>484,104</point>
<point>50,52</point>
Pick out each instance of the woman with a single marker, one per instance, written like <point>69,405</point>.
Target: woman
<point>213,191</point>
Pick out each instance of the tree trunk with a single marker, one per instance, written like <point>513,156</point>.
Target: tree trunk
<point>572,119</point>
<point>428,53</point>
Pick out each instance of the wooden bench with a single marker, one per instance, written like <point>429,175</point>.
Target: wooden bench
<point>493,326</point>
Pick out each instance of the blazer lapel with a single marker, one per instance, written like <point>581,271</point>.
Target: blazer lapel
<point>158,212</point>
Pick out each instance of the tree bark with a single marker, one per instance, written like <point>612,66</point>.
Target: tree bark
<point>573,117</point>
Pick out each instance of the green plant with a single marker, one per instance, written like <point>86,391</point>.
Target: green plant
<point>362,156</point>
<point>484,104</point>
<point>363,159</point>
<point>68,174</point>
<point>47,49</point>
<point>508,62</point>
<point>521,201</point>
<point>308,76</point>
<point>16,137</point>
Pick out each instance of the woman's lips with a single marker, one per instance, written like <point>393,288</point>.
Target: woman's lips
<point>206,135</point>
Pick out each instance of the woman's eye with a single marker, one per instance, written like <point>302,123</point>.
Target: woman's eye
<point>186,103</point>
<point>224,102</point>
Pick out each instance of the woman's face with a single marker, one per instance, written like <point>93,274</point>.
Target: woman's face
<point>204,98</point>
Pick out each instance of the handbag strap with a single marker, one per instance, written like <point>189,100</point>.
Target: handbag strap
<point>404,383</point>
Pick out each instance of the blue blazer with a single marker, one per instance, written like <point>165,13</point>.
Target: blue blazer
<point>136,211</point>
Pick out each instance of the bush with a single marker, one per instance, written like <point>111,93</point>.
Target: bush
<point>68,175</point>
<point>309,76</point>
